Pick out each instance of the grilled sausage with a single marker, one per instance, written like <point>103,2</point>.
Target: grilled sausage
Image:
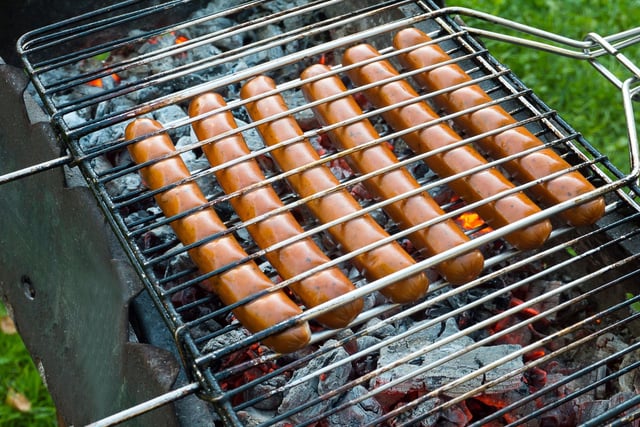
<point>525,169</point>
<point>473,188</point>
<point>293,259</point>
<point>235,284</point>
<point>408,212</point>
<point>350,235</point>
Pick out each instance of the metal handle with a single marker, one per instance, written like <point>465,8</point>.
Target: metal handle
<point>147,406</point>
<point>40,167</point>
<point>590,49</point>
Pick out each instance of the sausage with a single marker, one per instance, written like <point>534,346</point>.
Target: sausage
<point>408,212</point>
<point>350,235</point>
<point>234,284</point>
<point>531,167</point>
<point>473,188</point>
<point>293,259</point>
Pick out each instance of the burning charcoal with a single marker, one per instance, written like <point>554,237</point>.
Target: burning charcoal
<point>590,409</point>
<point>294,22</point>
<point>467,363</point>
<point>229,42</point>
<point>317,386</point>
<point>366,341</point>
<point>253,417</point>
<point>265,387</point>
<point>251,137</point>
<point>457,415</point>
<point>563,415</point>
<point>169,114</point>
<point>128,183</point>
<point>423,409</point>
<point>226,339</point>
<point>356,415</point>
<point>630,382</point>
<point>267,32</point>
<point>190,158</point>
<point>454,416</point>
<point>541,287</point>
<point>381,332</point>
<point>102,137</point>
<point>293,99</point>
<point>180,262</point>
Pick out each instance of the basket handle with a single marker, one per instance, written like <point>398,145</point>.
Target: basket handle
<point>33,169</point>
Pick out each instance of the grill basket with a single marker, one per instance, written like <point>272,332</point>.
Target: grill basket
<point>394,364</point>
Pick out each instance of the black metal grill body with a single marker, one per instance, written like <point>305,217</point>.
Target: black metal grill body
<point>127,48</point>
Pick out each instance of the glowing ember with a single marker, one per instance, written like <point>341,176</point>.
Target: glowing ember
<point>179,38</point>
<point>470,220</point>
<point>95,83</point>
<point>100,82</point>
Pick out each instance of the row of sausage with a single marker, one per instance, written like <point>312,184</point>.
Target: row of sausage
<point>237,278</point>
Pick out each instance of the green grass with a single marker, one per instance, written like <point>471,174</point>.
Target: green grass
<point>582,96</point>
<point>18,372</point>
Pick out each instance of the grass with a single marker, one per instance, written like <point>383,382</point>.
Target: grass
<point>582,96</point>
<point>18,374</point>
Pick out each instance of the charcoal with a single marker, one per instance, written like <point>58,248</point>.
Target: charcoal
<point>268,32</point>
<point>293,99</point>
<point>312,389</point>
<point>366,341</point>
<point>358,414</point>
<point>169,114</point>
<point>630,382</point>
<point>253,417</point>
<point>464,364</point>
<point>226,339</point>
<point>102,137</point>
<point>193,161</point>
<point>382,332</point>
<point>423,411</point>
<point>265,387</point>
<point>251,137</point>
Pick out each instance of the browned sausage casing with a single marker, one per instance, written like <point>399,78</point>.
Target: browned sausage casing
<point>408,212</point>
<point>351,235</point>
<point>234,284</point>
<point>293,259</point>
<point>473,188</point>
<point>525,169</point>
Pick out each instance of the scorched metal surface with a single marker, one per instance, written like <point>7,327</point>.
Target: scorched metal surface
<point>509,346</point>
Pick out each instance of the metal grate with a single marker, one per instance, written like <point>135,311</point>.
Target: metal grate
<point>395,364</point>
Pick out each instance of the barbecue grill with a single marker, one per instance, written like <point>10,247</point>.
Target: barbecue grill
<point>540,337</point>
